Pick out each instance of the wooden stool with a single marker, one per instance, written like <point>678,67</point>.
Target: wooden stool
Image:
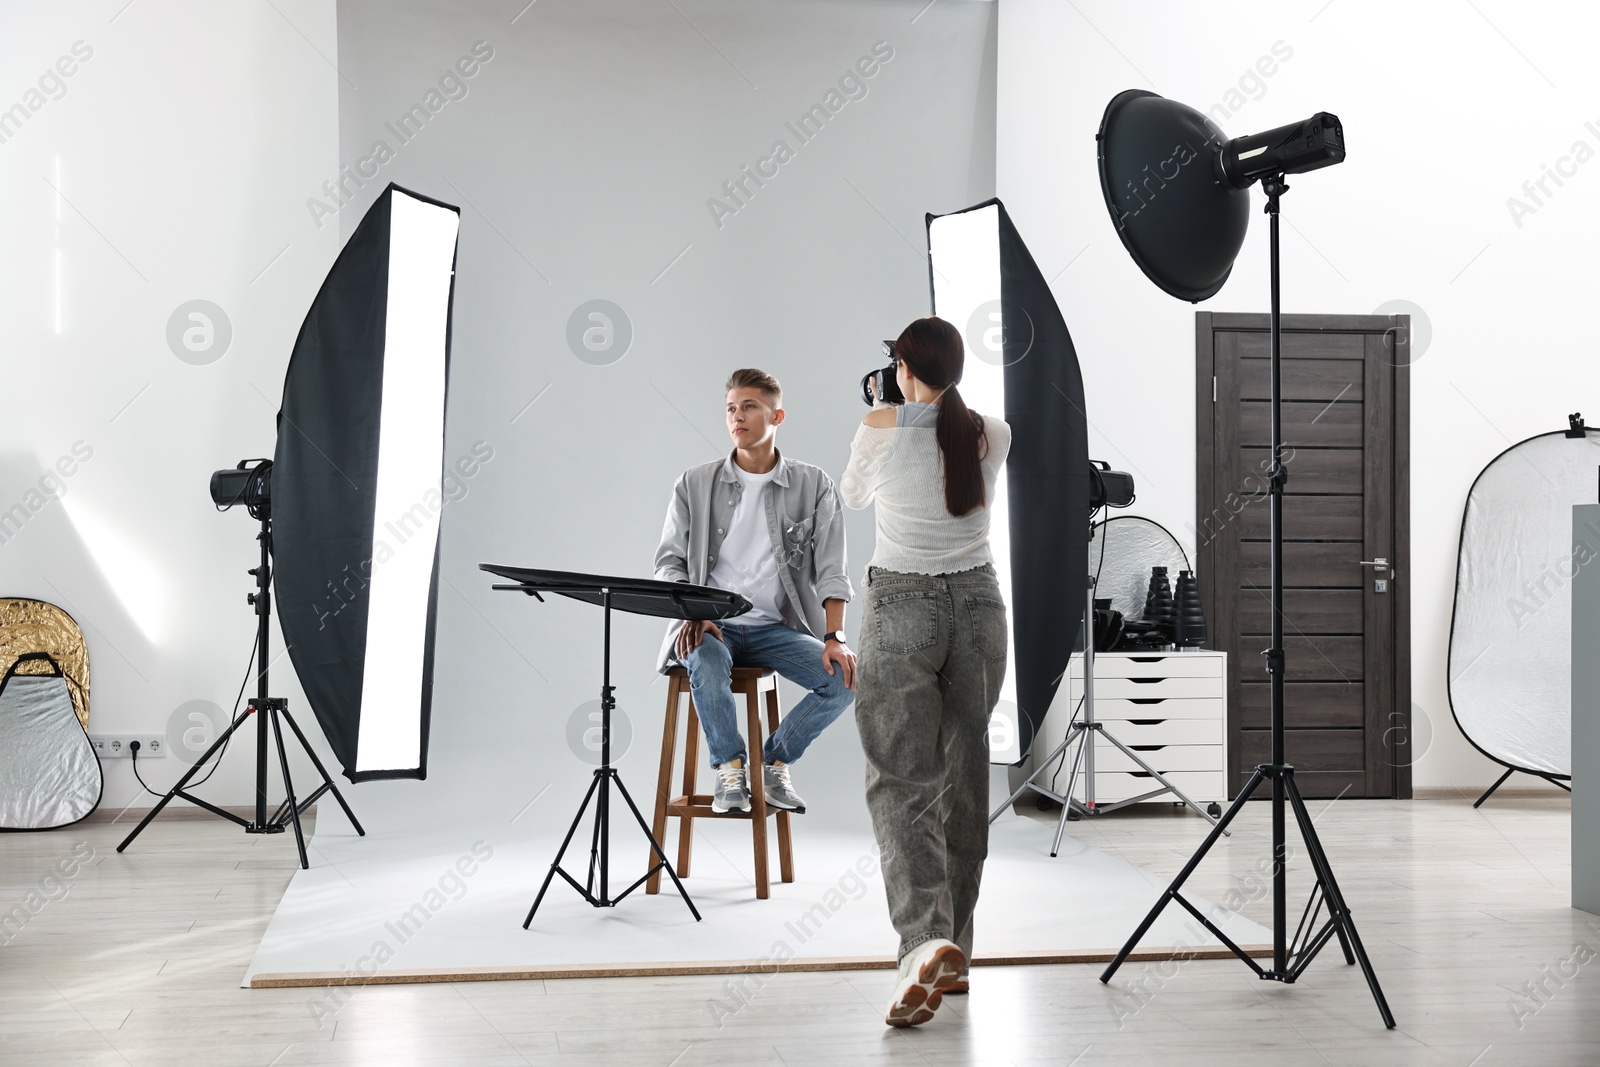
<point>689,805</point>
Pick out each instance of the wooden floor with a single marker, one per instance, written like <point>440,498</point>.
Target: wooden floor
<point>136,959</point>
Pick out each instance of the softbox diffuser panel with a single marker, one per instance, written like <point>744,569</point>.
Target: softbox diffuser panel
<point>985,281</point>
<point>357,485</point>
<point>1510,675</point>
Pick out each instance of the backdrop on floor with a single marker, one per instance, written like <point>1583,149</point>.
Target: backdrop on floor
<point>445,904</point>
<point>1510,674</point>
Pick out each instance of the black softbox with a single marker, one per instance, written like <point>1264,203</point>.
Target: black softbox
<point>984,279</point>
<point>356,485</point>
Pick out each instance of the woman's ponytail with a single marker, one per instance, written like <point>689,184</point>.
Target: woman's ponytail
<point>933,351</point>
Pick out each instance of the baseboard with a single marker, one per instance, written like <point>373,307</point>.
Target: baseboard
<point>1473,792</point>
<point>180,810</point>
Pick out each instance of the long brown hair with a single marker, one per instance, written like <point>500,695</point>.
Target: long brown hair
<point>931,348</point>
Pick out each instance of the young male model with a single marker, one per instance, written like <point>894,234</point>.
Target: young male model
<point>771,529</point>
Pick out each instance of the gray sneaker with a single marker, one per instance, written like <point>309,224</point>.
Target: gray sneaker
<point>732,789</point>
<point>779,790</point>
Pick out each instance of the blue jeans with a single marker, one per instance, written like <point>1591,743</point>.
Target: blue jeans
<point>795,656</point>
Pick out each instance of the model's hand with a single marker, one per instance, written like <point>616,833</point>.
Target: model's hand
<point>835,653</point>
<point>694,631</point>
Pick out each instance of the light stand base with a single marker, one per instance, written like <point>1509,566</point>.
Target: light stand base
<point>1291,959</point>
<point>599,850</point>
<point>1081,734</point>
<point>288,813</point>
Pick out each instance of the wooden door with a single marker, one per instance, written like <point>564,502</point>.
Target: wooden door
<point>1347,706</point>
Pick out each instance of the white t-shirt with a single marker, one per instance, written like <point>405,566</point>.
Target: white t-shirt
<point>745,562</point>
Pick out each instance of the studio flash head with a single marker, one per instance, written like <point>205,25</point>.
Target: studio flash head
<point>248,483</point>
<point>1108,488</point>
<point>880,384</point>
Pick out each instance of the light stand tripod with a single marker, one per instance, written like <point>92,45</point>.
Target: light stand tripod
<point>1082,732</point>
<point>1309,938</point>
<point>605,776</point>
<point>271,713</point>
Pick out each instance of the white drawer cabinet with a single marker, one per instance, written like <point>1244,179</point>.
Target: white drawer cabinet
<point>1169,707</point>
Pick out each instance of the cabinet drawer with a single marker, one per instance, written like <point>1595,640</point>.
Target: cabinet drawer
<point>1147,688</point>
<point>1155,731</point>
<point>1166,665</point>
<point>1117,709</point>
<point>1201,786</point>
<point>1164,758</point>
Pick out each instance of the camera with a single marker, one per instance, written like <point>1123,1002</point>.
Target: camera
<point>880,384</point>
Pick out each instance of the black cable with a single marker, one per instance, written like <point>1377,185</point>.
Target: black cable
<point>223,751</point>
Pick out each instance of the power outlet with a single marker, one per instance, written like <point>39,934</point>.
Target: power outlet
<point>120,746</point>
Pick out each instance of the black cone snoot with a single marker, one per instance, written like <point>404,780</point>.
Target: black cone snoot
<point>1177,215</point>
<point>1188,617</point>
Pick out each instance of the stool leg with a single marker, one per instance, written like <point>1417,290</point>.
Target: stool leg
<point>691,775</point>
<point>758,794</point>
<point>785,848</point>
<point>669,746</point>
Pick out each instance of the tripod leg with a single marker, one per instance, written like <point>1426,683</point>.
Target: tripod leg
<point>1072,783</point>
<point>288,787</point>
<point>594,841</point>
<point>238,721</point>
<point>1498,782</point>
<point>1027,784</point>
<point>1330,889</point>
<point>1183,875</point>
<point>324,772</point>
<point>658,850</point>
<point>1180,794</point>
<point>571,831</point>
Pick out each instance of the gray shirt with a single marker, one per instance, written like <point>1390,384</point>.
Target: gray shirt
<point>804,520</point>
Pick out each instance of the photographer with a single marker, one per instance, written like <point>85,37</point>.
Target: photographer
<point>932,657</point>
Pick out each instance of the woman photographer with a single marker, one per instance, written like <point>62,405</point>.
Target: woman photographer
<point>932,656</point>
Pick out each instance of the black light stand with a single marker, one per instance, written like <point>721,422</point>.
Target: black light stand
<point>605,776</point>
<point>1083,731</point>
<point>1309,938</point>
<point>271,713</point>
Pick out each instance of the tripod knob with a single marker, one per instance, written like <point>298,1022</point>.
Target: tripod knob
<point>249,598</point>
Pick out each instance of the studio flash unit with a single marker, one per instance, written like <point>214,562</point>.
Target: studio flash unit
<point>248,483</point>
<point>1108,488</point>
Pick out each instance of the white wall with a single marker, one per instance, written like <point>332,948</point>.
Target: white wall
<point>183,148</point>
<point>583,155</point>
<point>194,140</point>
<point>1447,110</point>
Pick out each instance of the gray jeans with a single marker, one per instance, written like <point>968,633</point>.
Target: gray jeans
<point>928,674</point>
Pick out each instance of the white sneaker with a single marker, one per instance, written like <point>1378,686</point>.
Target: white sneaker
<point>779,789</point>
<point>731,792</point>
<point>925,975</point>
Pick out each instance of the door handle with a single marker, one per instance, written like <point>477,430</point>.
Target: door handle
<point>1379,562</point>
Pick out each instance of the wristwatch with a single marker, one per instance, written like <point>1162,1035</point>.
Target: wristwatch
<point>836,635</point>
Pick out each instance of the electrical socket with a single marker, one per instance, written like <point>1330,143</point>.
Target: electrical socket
<point>118,746</point>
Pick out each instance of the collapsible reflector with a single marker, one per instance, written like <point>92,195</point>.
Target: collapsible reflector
<point>1511,630</point>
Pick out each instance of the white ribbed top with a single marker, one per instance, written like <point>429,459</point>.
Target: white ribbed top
<point>901,471</point>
